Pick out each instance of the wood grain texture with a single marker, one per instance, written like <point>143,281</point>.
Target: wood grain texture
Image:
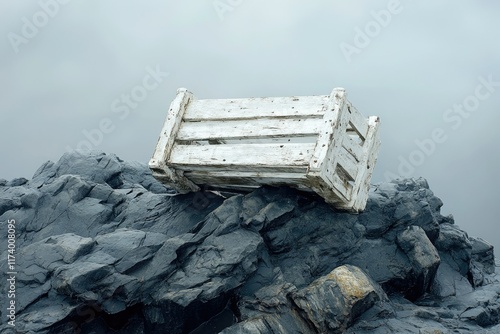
<point>242,156</point>
<point>357,121</point>
<point>249,129</point>
<point>352,147</point>
<point>254,108</point>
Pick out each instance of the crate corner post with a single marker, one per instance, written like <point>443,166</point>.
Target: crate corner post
<point>322,167</point>
<point>370,152</point>
<point>159,161</point>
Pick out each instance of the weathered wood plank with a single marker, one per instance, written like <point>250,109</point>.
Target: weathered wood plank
<point>348,164</point>
<point>252,108</point>
<point>357,121</point>
<point>164,145</point>
<point>352,147</point>
<point>170,127</point>
<point>243,155</point>
<point>239,168</point>
<point>249,129</point>
<point>342,187</point>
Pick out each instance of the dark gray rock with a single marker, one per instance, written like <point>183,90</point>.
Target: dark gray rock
<point>483,255</point>
<point>377,217</point>
<point>423,257</point>
<point>101,247</point>
<point>17,182</point>
<point>328,305</point>
<point>454,245</point>
<point>332,302</point>
<point>392,273</point>
<point>449,282</point>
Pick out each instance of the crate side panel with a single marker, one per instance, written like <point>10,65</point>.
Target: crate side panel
<point>336,152</point>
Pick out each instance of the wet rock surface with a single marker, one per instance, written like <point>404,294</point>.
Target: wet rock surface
<point>102,247</point>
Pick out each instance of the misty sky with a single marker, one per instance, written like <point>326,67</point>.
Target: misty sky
<point>102,73</point>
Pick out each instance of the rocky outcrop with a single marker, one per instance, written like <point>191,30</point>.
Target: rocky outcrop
<point>101,246</point>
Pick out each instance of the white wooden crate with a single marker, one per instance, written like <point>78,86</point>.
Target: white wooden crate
<point>313,143</point>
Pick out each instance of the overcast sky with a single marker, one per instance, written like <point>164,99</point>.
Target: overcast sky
<point>429,70</point>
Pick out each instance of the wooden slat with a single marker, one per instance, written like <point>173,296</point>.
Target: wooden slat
<point>352,147</point>
<point>237,168</point>
<point>242,156</point>
<point>358,122</point>
<point>170,127</point>
<point>348,164</point>
<point>249,129</point>
<point>225,109</point>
